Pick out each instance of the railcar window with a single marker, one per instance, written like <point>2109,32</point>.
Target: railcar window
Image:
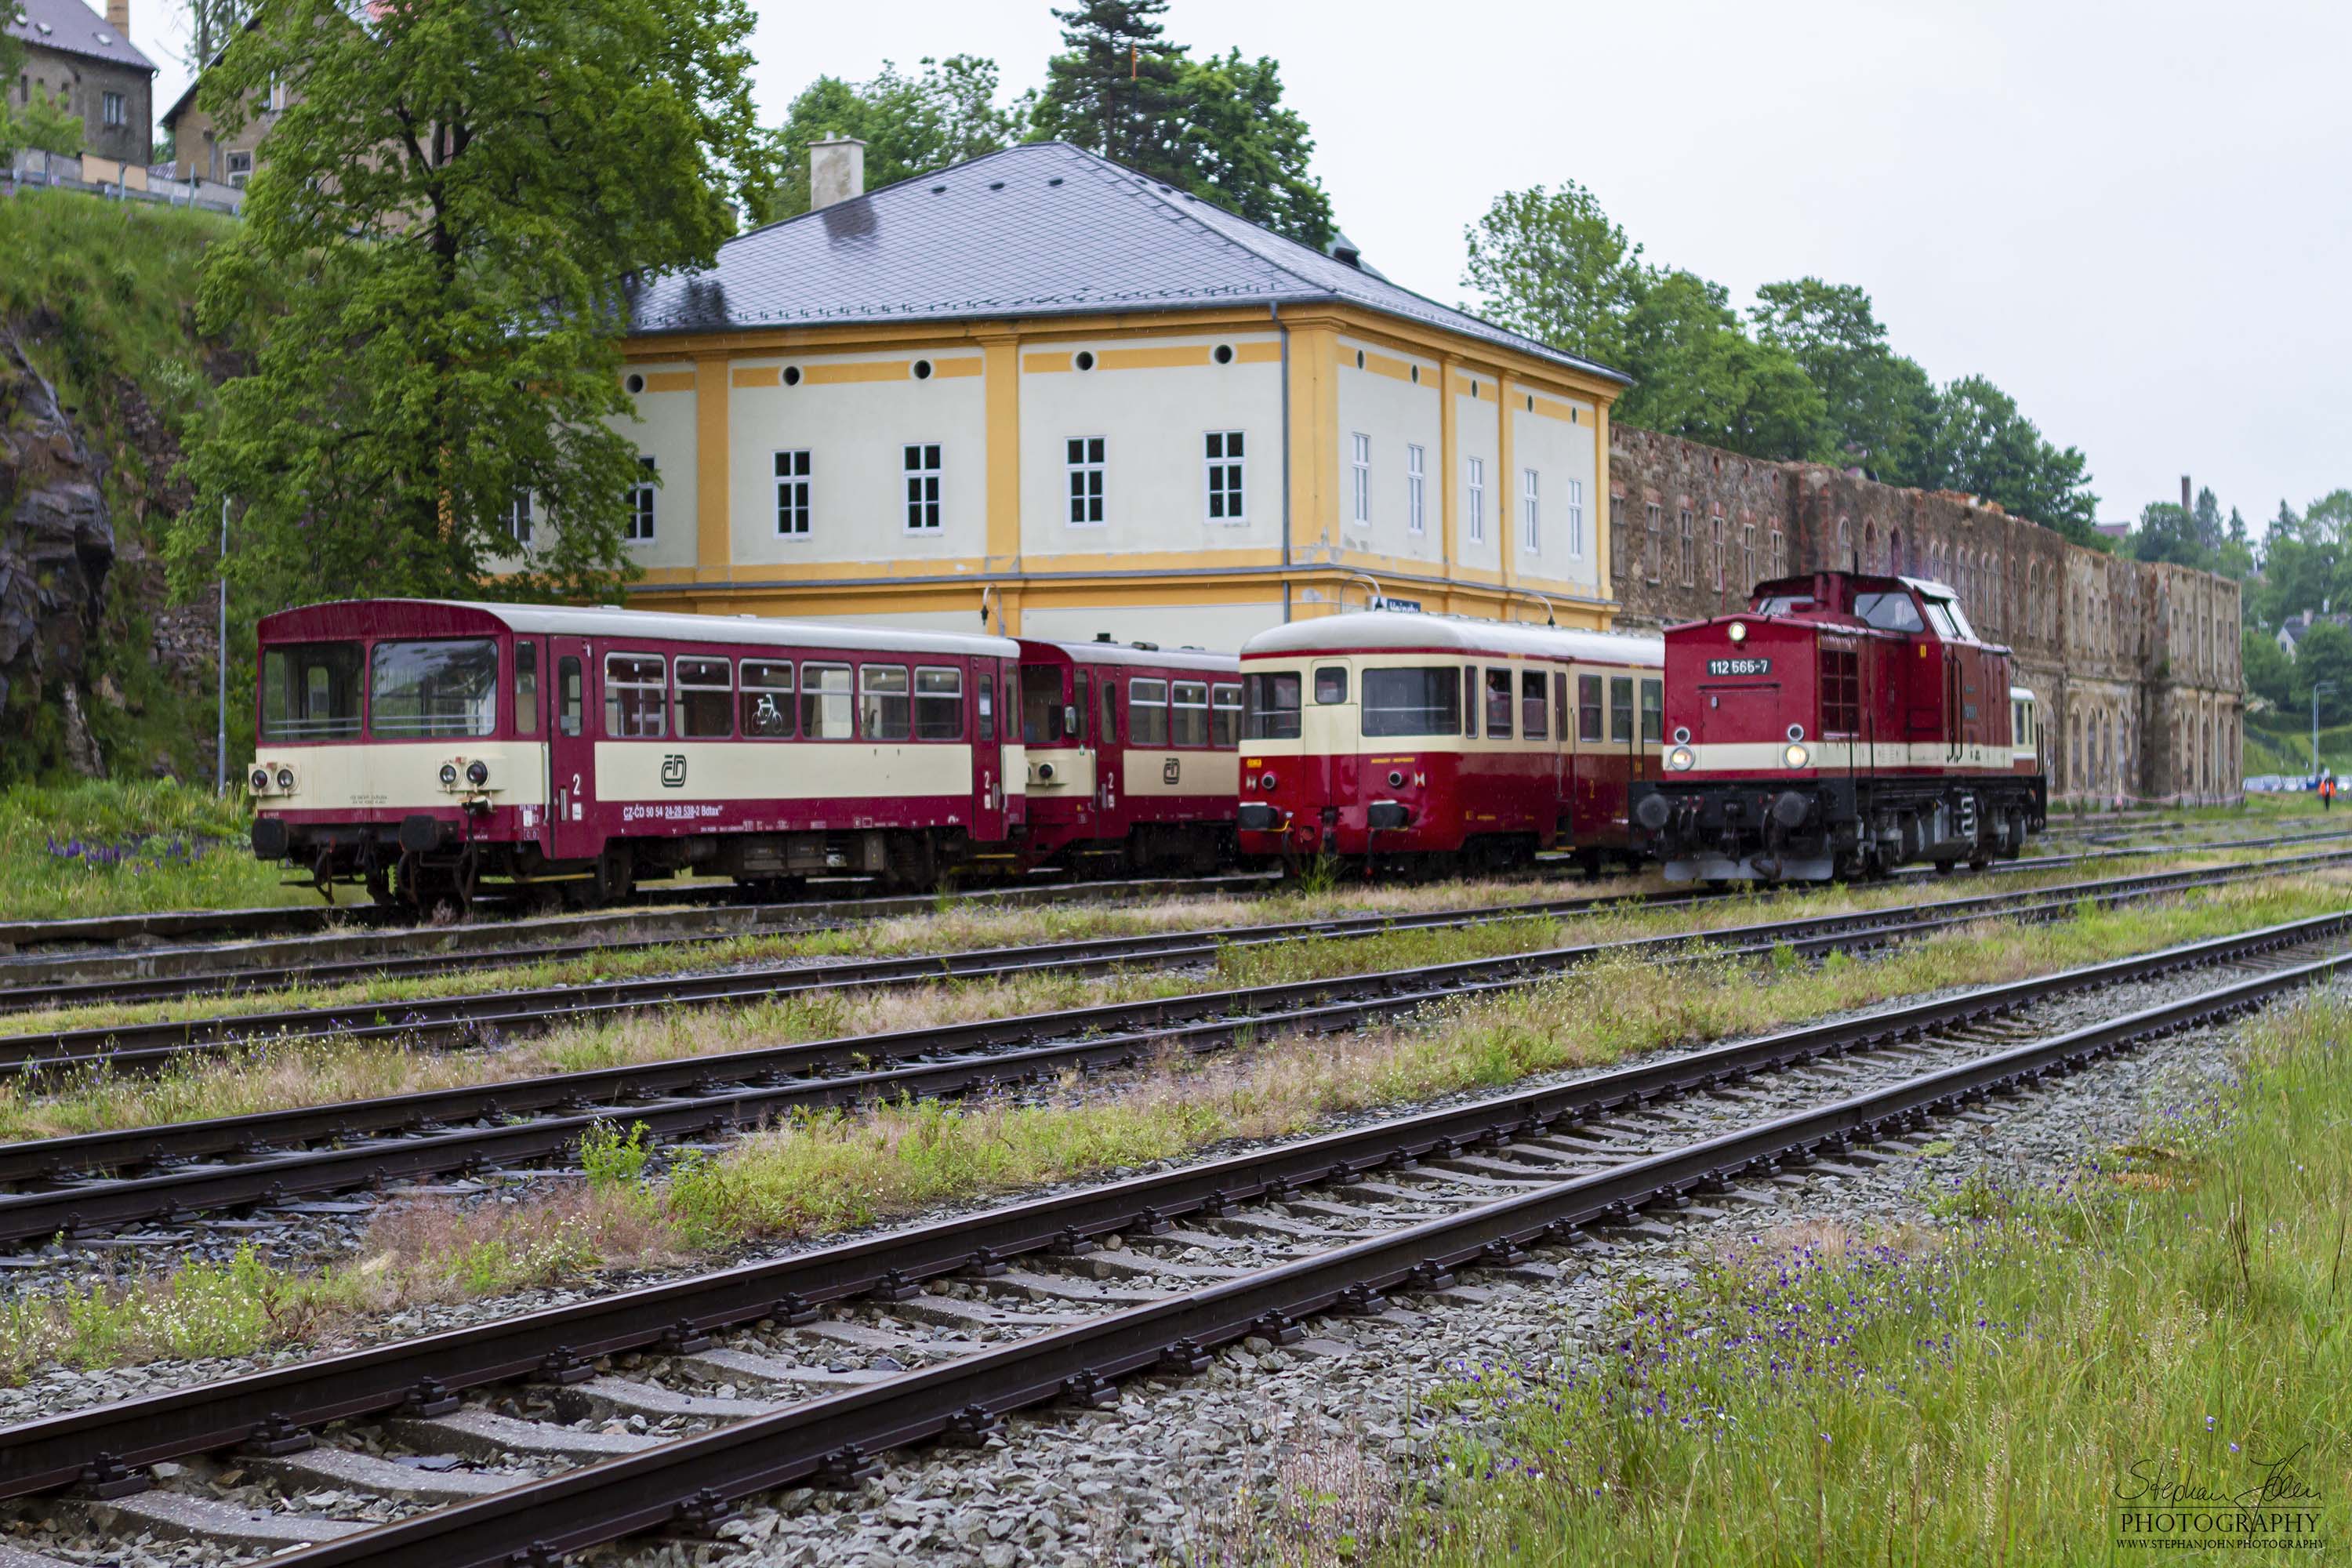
<point>1559,702</point>
<point>1191,713</point>
<point>1840,691</point>
<point>1331,683</point>
<point>706,698</point>
<point>526,708</point>
<point>882,712</point>
<point>1470,700</point>
<point>939,705</point>
<point>1588,708</point>
<point>634,699</point>
<point>438,690</point>
<point>1621,708</point>
<point>568,696</point>
<point>1147,713</point>
<point>1423,702</point>
<point>1272,706</point>
<point>1082,699</point>
<point>1532,706</point>
<point>1041,705</point>
<point>1225,717</point>
<point>988,708</point>
<point>767,701</point>
<point>1888,612</point>
<point>828,712</point>
<point>310,691</point>
<point>1653,711</point>
<point>1109,734</point>
<point>1499,704</point>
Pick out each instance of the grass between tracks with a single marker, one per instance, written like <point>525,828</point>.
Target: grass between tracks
<point>824,1173</point>
<point>102,848</point>
<point>2028,1380</point>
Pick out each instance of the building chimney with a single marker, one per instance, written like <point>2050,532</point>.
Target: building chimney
<point>2184,495</point>
<point>118,17</point>
<point>836,171</point>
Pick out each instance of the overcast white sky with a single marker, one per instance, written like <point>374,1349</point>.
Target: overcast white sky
<point>2132,216</point>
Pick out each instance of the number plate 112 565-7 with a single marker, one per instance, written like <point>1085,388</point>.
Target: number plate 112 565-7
<point>1739,666</point>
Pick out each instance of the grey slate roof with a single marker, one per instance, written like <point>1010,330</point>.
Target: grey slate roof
<point>1042,229</point>
<point>75,29</point>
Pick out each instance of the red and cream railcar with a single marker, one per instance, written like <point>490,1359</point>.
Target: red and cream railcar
<point>1132,751</point>
<point>1843,724</point>
<point>1431,741</point>
<point>428,749</point>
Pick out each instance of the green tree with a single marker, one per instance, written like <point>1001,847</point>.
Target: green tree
<point>1978,442</point>
<point>2325,655</point>
<point>1552,267</point>
<point>910,125</point>
<point>1877,402</point>
<point>40,123</point>
<point>431,274</point>
<point>2269,672</point>
<point>1118,88</point>
<point>1698,376</point>
<point>1248,152</point>
<point>2164,533</point>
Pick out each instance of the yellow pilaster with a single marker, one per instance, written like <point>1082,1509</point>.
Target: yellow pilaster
<point>1505,490</point>
<point>1601,511</point>
<point>714,549</point>
<point>1314,442</point>
<point>1001,371</point>
<point>1449,471</point>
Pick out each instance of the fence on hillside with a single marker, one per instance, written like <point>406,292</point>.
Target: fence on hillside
<point>105,178</point>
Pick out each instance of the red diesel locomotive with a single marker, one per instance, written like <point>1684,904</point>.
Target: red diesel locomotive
<point>1428,743</point>
<point>1131,754</point>
<point>1843,725</point>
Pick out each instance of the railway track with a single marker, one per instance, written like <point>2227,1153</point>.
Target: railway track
<point>100,1181</point>
<point>492,1014</point>
<point>49,981</point>
<point>963,1322</point>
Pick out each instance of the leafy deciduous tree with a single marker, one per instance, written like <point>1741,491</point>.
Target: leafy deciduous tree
<point>1979,443</point>
<point>1697,374</point>
<point>1552,267</point>
<point>40,121</point>
<point>1877,403</point>
<point>2322,658</point>
<point>2269,672</point>
<point>910,125</point>
<point>1247,151</point>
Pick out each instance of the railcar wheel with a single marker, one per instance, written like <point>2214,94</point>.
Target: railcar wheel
<point>378,889</point>
<point>1944,868</point>
<point>616,874</point>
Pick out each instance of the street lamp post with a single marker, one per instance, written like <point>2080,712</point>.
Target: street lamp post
<point>2317,687</point>
<point>220,732</point>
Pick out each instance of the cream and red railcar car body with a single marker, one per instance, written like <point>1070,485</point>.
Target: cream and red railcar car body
<point>1131,752</point>
<point>1433,742</point>
<point>426,748</point>
<point>1843,724</point>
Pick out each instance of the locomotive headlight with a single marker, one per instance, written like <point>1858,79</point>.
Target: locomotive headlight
<point>260,779</point>
<point>477,773</point>
<point>448,775</point>
<point>1796,756</point>
<point>1738,632</point>
<point>286,779</point>
<point>1680,758</point>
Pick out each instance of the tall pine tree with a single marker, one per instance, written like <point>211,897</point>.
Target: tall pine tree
<point>1118,88</point>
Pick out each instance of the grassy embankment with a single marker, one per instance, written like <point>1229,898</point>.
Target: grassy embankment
<point>101,848</point>
<point>2003,1386</point>
<point>822,1173</point>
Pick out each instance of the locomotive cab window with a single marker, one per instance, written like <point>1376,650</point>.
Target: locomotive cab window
<point>1225,717</point>
<point>1190,713</point>
<point>828,712</point>
<point>526,688</point>
<point>634,697</point>
<point>1271,710</point>
<point>1147,713</point>
<point>1499,704</point>
<point>1423,702</point>
<point>1840,691</point>
<point>882,708</point>
<point>1041,705</point>
<point>939,705</point>
<point>440,690</point>
<point>1653,711</point>
<point>1939,616</point>
<point>1784,604</point>
<point>706,698</point>
<point>310,691</point>
<point>767,701</point>
<point>570,698</point>
<point>1330,684</point>
<point>1888,612</point>
<point>1621,709</point>
<point>1589,707</point>
<point>1532,725</point>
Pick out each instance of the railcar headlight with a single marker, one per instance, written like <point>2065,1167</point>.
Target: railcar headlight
<point>1796,756</point>
<point>1681,759</point>
<point>1044,773</point>
<point>477,773</point>
<point>286,779</point>
<point>1738,632</point>
<point>260,779</point>
<point>448,775</point>
<point>1266,782</point>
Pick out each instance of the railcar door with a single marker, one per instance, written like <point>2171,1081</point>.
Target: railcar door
<point>573,832</point>
<point>984,722</point>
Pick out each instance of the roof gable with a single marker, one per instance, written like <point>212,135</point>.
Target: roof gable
<point>1044,228</point>
<point>74,28</point>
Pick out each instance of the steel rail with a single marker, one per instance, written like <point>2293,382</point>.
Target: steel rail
<point>494,1014</point>
<point>56,1451</point>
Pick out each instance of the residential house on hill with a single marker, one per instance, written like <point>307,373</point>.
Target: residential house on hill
<point>88,63</point>
<point>201,150</point>
<point>2289,637</point>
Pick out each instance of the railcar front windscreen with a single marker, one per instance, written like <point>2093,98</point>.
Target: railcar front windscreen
<point>310,691</point>
<point>435,690</point>
<point>1422,700</point>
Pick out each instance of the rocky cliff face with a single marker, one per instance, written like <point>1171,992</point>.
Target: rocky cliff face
<point>57,545</point>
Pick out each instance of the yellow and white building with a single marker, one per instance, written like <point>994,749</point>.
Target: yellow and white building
<point>1041,388</point>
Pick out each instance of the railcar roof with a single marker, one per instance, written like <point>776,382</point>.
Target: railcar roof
<point>1382,631</point>
<point>1127,652</point>
<point>606,623</point>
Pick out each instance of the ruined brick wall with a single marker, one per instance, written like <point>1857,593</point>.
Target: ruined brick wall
<point>2137,665</point>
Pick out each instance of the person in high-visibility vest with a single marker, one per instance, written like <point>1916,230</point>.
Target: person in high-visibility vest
<point>2326,791</point>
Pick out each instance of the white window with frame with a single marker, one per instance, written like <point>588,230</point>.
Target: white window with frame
<point>640,527</point>
<point>1475,473</point>
<point>518,518</point>
<point>1531,511</point>
<point>111,112</point>
<point>792,494</point>
<point>922,463</point>
<point>1416,519</point>
<point>1360,510</point>
<point>1576,518</point>
<point>1222,451</point>
<point>1084,459</point>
